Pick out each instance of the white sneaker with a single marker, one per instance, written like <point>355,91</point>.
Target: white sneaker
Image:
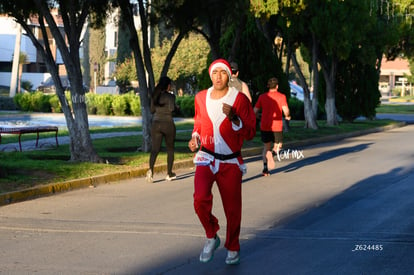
<point>148,177</point>
<point>171,177</point>
<point>209,247</point>
<point>233,257</point>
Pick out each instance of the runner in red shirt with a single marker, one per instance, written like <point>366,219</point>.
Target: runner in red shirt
<point>273,105</point>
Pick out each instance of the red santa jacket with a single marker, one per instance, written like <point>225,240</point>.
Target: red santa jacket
<point>214,130</point>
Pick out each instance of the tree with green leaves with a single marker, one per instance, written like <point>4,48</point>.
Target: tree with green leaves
<point>143,64</point>
<point>331,31</point>
<point>73,15</point>
<point>337,25</point>
<point>139,43</point>
<point>97,57</point>
<point>286,27</point>
<point>207,18</point>
<point>255,57</point>
<point>125,72</point>
<point>123,50</point>
<point>188,62</point>
<point>397,18</point>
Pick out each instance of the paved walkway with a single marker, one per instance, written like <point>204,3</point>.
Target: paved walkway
<point>47,143</point>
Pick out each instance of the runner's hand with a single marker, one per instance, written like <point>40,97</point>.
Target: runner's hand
<point>193,144</point>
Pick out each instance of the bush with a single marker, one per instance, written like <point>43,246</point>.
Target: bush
<point>106,104</point>
<point>40,102</point>
<point>55,104</point>
<point>103,104</point>
<point>91,103</point>
<point>296,108</point>
<point>33,102</point>
<point>22,101</point>
<point>125,73</point>
<point>186,104</point>
<point>119,105</point>
<point>134,104</point>
<point>357,91</point>
<point>396,91</point>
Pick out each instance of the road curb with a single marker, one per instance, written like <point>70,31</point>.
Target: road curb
<point>51,189</point>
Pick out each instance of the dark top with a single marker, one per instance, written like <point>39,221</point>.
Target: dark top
<point>163,111</point>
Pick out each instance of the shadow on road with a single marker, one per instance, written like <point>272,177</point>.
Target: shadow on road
<point>297,164</point>
<point>321,239</point>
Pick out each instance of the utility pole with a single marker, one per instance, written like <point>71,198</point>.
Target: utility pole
<point>15,66</point>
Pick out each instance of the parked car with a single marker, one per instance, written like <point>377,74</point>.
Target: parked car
<point>297,91</point>
<point>384,89</point>
<point>49,86</point>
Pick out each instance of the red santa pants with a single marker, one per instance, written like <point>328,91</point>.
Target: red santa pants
<point>228,179</point>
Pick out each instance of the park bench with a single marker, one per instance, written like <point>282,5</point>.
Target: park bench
<point>29,130</point>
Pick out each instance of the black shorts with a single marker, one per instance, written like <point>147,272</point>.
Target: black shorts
<point>269,136</point>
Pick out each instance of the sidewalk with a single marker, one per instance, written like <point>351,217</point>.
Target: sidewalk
<point>50,189</point>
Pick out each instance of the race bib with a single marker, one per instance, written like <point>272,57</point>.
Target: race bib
<point>203,158</point>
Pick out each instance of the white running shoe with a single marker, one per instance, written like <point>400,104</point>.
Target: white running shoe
<point>233,257</point>
<point>171,177</point>
<point>148,177</point>
<point>209,247</point>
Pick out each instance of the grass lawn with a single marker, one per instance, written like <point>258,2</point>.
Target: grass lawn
<point>395,108</point>
<point>19,170</point>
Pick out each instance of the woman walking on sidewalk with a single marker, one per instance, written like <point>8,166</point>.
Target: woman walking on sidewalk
<point>162,106</point>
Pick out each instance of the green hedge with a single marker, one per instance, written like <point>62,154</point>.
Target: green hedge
<point>33,102</point>
<point>296,108</point>
<point>186,104</point>
<point>119,105</point>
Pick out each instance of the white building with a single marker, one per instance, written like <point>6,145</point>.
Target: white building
<point>393,75</point>
<point>35,71</point>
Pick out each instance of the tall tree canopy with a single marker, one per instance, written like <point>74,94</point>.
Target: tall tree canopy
<point>337,33</point>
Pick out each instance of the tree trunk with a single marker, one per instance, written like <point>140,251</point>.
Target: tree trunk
<point>315,70</point>
<point>19,79</point>
<point>288,56</point>
<point>171,53</point>
<point>330,108</point>
<point>144,91</point>
<point>145,45</point>
<point>310,118</point>
<point>81,148</point>
<point>80,139</point>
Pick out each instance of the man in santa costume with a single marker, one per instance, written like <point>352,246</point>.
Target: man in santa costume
<point>223,119</point>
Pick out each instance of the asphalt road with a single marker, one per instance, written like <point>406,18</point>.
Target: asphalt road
<point>336,208</point>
